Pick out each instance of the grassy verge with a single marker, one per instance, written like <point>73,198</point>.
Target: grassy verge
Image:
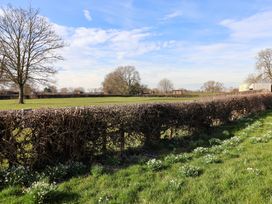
<point>72,102</point>
<point>231,165</point>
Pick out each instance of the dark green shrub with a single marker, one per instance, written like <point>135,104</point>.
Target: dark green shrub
<point>57,173</point>
<point>76,168</point>
<point>113,160</point>
<point>215,141</point>
<point>64,171</point>
<point>2,178</point>
<point>18,175</point>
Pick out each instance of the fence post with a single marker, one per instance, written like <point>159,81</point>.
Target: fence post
<point>122,142</point>
<point>104,143</point>
<point>171,134</point>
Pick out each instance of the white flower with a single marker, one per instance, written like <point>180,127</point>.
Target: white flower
<point>254,171</point>
<point>154,164</point>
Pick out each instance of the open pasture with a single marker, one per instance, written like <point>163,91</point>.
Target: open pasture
<point>88,101</point>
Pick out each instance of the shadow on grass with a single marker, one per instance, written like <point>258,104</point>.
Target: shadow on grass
<point>178,144</point>
<point>62,197</point>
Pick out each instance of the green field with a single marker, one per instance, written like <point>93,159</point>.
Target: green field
<point>72,102</point>
<point>235,169</point>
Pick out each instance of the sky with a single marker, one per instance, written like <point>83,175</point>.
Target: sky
<point>186,41</point>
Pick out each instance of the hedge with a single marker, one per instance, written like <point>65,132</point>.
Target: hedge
<point>37,138</point>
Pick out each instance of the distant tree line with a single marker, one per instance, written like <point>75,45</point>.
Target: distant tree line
<point>126,80</point>
<point>213,87</point>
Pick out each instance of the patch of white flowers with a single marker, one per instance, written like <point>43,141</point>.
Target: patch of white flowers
<point>211,158</point>
<point>243,134</point>
<point>255,140</point>
<point>257,124</point>
<point>175,184</point>
<point>154,164</point>
<point>253,126</point>
<point>232,142</point>
<point>215,141</point>
<point>40,190</point>
<point>268,135</point>
<point>263,139</point>
<point>216,149</point>
<point>171,159</point>
<point>199,151</point>
<point>254,171</point>
<point>191,171</point>
<point>104,199</point>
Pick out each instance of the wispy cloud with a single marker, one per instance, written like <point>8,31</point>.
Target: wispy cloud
<point>87,15</point>
<point>113,43</point>
<point>94,52</point>
<point>253,27</point>
<point>172,15</point>
<point>120,12</point>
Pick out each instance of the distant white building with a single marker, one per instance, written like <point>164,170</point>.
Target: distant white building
<point>244,87</point>
<point>256,87</point>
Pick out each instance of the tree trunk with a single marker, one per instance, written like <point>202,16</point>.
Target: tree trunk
<point>21,94</point>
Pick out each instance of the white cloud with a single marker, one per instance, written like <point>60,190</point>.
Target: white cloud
<point>96,51</point>
<point>86,80</point>
<point>113,43</point>
<point>93,52</point>
<point>172,15</point>
<point>254,27</point>
<point>87,15</point>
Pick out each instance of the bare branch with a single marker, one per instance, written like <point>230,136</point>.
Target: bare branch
<point>264,64</point>
<point>28,45</point>
<point>213,86</point>
<point>165,86</point>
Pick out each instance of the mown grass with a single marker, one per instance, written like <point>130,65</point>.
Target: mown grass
<point>72,102</point>
<point>241,175</point>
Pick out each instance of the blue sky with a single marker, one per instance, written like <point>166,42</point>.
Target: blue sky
<point>187,41</point>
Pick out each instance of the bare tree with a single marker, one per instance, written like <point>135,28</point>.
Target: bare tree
<point>114,84</point>
<point>50,89</point>
<point>254,78</point>
<point>1,70</point>
<point>233,90</point>
<point>165,86</point>
<point>3,79</point>
<point>28,45</point>
<point>212,86</point>
<point>123,80</point>
<point>64,90</point>
<point>79,90</point>
<point>264,64</point>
